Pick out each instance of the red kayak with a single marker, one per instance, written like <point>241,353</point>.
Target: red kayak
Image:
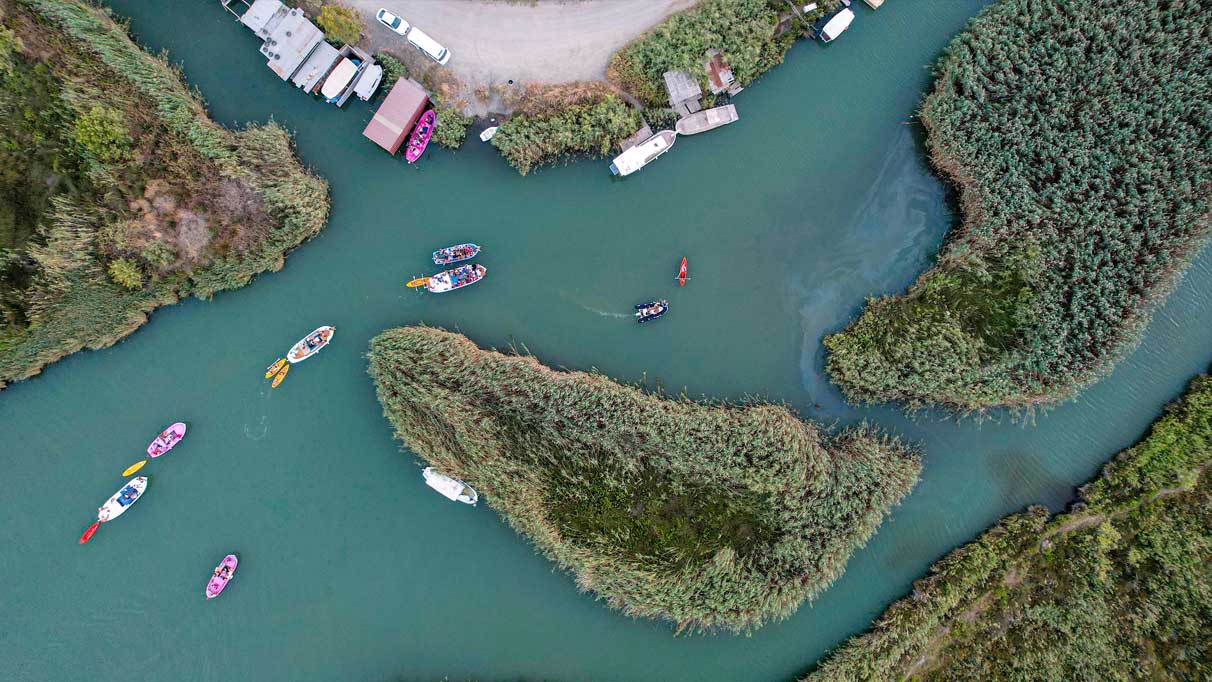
<point>682,273</point>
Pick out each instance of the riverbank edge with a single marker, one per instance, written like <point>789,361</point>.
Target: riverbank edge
<point>902,640</point>
<point>262,155</point>
<point>850,479</point>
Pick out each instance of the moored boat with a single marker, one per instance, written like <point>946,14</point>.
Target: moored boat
<point>120,501</point>
<point>487,134</point>
<point>651,310</point>
<point>311,344</point>
<point>451,488</point>
<point>682,273</point>
<point>222,575</point>
<point>456,253</point>
<point>643,153</point>
<point>167,440</point>
<point>420,136</point>
<point>449,280</point>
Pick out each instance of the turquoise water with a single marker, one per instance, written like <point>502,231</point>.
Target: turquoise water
<point>350,569</point>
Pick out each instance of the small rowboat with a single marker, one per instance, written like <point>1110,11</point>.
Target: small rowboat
<point>449,280</point>
<point>222,575</point>
<point>281,375</point>
<point>451,488</point>
<point>275,368</point>
<point>454,254</point>
<point>650,311</point>
<point>420,137</point>
<point>487,134</point>
<point>311,344</point>
<point>682,273</point>
<point>167,440</point>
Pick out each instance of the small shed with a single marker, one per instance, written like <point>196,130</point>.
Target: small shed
<point>684,92</point>
<point>719,74</point>
<point>397,115</point>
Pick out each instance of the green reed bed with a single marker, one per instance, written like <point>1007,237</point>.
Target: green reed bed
<point>118,194</point>
<point>712,516</point>
<point>1118,588</point>
<point>1077,134</point>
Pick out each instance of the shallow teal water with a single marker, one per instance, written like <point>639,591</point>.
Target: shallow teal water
<point>350,568</point>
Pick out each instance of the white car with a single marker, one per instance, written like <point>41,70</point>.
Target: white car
<point>428,46</point>
<point>391,21</point>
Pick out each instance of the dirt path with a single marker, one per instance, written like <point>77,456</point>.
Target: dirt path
<point>495,42</point>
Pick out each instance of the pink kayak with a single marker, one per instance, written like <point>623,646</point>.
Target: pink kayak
<point>420,137</point>
<point>222,575</point>
<point>167,440</point>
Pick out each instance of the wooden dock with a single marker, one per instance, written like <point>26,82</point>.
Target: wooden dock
<point>707,119</point>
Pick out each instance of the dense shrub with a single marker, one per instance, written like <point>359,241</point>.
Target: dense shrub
<point>744,30</point>
<point>1120,588</point>
<point>1077,133</point>
<point>340,24</point>
<point>711,516</point>
<point>74,215</point>
<point>528,141</point>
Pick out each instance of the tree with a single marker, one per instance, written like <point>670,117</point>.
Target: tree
<point>126,273</point>
<point>341,24</point>
<point>101,132</point>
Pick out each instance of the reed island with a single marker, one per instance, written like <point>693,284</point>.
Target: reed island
<point>712,516</point>
<point>117,193</point>
<point>1077,136</point>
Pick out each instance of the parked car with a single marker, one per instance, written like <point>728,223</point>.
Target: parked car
<point>393,22</point>
<point>428,46</point>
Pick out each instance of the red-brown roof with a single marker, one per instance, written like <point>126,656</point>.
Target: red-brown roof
<point>397,114</point>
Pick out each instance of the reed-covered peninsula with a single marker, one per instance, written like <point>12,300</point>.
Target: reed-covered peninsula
<point>1077,135</point>
<point>712,516</point>
<point>1118,588</point>
<point>117,193</point>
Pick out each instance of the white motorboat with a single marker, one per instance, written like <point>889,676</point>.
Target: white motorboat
<point>451,488</point>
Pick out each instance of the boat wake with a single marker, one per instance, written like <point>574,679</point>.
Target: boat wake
<point>259,430</point>
<point>604,313</point>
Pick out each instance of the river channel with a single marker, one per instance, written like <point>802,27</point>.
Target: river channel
<point>350,568</point>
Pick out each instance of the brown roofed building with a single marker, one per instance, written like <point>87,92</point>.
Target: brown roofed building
<point>397,115</point>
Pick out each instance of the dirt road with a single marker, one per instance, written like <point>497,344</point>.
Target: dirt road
<point>494,42</point>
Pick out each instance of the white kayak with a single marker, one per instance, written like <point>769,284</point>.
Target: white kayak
<point>122,500</point>
<point>311,344</point>
<point>451,488</point>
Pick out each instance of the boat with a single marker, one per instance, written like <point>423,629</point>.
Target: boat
<point>222,575</point>
<point>311,344</point>
<point>487,134</point>
<point>451,488</point>
<point>274,368</point>
<point>167,440</point>
<point>643,153</point>
<point>454,254</point>
<point>707,119</point>
<point>651,310</point>
<point>837,23</point>
<point>281,375</point>
<point>449,280</point>
<point>120,501</point>
<point>338,80</point>
<point>682,273</point>
<point>420,137</point>
<point>418,282</point>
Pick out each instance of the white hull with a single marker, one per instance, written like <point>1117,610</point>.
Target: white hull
<point>300,352</point>
<point>112,509</point>
<point>451,488</point>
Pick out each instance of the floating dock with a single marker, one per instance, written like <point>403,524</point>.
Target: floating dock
<point>707,119</point>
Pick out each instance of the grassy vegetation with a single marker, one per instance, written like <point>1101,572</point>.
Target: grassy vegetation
<point>744,30</point>
<point>1119,588</point>
<point>117,193</point>
<point>711,516</point>
<point>1081,150</point>
<point>341,24</point>
<point>553,123</point>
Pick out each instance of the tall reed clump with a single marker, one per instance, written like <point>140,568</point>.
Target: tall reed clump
<point>107,241</point>
<point>591,125</point>
<point>712,516</point>
<point>1118,588</point>
<point>1077,134</point>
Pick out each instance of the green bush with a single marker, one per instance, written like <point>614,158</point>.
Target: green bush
<point>1085,173</point>
<point>340,24</point>
<point>126,272</point>
<point>159,254</point>
<point>451,128</point>
<point>103,135</point>
<point>393,70</point>
<point>711,516</point>
<point>528,141</point>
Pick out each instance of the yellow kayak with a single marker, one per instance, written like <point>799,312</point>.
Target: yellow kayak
<point>281,375</point>
<point>418,282</point>
<point>273,369</point>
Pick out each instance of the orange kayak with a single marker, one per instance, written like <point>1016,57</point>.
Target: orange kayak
<point>281,375</point>
<point>682,273</point>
